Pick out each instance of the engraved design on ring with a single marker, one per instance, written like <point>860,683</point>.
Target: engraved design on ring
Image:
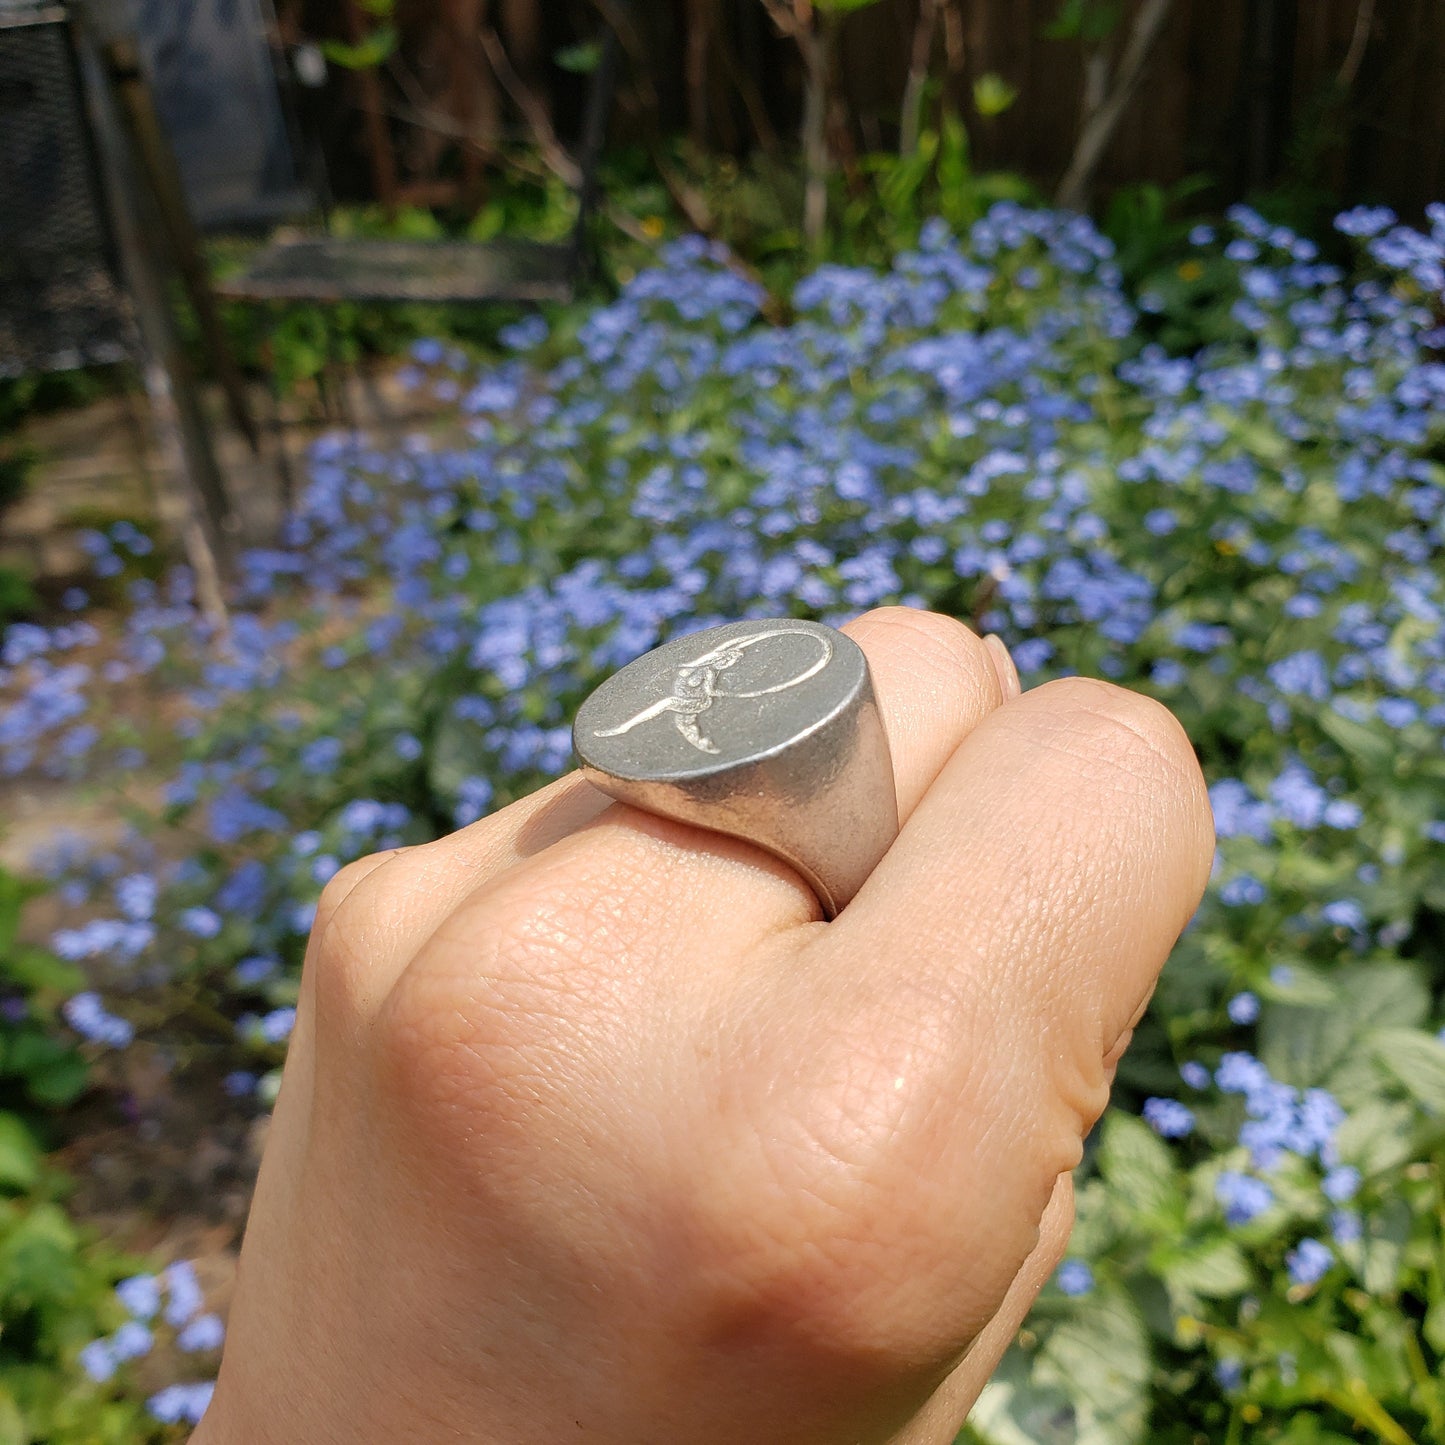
<point>695,686</point>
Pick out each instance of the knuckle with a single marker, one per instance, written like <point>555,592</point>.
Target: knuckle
<point>1123,726</point>
<point>339,942</point>
<point>934,636</point>
<point>340,886</point>
<point>495,1020</point>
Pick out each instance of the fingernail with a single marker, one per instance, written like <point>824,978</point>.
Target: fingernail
<point>1003,665</point>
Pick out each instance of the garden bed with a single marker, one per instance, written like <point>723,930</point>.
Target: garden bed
<point>1252,533</point>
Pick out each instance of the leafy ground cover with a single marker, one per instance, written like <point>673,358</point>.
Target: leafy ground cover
<point>989,426</point>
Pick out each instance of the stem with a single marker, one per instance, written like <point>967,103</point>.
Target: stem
<point>1364,23</point>
<point>1364,1409</point>
<point>1098,130</point>
<point>1426,1383</point>
<point>817,47</point>
<point>911,113</point>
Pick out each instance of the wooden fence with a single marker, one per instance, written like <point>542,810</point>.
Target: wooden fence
<point>1345,96</point>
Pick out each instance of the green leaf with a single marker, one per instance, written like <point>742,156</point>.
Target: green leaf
<point>364,55</point>
<point>1138,1165</point>
<point>1303,1045</point>
<point>1014,1409</point>
<point>60,1082</point>
<point>37,970</point>
<point>13,1430</point>
<point>38,1258</point>
<point>15,892</point>
<point>1417,1060</point>
<point>579,59</point>
<point>1214,1268</point>
<point>1370,747</point>
<point>19,1154</point>
<point>1434,1327</point>
<point>1089,20</point>
<point>1377,1137</point>
<point>1099,1356</point>
<point>992,94</point>
<point>1378,1254</point>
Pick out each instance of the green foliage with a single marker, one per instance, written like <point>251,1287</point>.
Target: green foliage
<point>992,95</point>
<point>17,597</point>
<point>580,59</point>
<point>365,54</point>
<point>37,1068</point>
<point>1091,21</point>
<point>56,1284</point>
<point>937,179</point>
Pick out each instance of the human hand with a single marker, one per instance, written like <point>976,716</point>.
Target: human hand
<point>592,1130</point>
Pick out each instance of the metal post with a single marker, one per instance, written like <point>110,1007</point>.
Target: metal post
<point>163,180</point>
<point>179,418</point>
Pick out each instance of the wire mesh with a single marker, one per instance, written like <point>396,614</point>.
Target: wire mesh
<point>60,305</point>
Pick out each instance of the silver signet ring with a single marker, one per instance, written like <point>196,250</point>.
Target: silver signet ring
<point>768,731</point>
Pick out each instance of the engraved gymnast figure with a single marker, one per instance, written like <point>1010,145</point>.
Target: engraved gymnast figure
<point>694,689</point>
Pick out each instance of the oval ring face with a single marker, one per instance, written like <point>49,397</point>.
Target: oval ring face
<point>718,699</point>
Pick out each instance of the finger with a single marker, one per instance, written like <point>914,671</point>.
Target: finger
<point>934,680</point>
<point>943,1044</point>
<point>1078,838</point>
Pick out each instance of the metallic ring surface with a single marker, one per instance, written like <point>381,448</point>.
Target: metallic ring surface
<point>768,731</point>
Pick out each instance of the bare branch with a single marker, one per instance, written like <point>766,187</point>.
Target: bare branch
<point>533,111</point>
<point>1098,129</point>
<point>910,114</point>
<point>1364,24</point>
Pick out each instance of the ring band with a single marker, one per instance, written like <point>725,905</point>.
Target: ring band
<point>767,731</point>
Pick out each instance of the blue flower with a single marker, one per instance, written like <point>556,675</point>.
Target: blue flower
<point>1074,1278</point>
<point>199,922</point>
<point>1344,913</point>
<point>205,1332</point>
<point>1168,1118</point>
<point>321,756</point>
<point>1238,813</point>
<point>254,970</point>
<point>1243,1008</point>
<point>177,1403</point>
<point>136,896</point>
<point>1346,1226</point>
<point>1230,1374</point>
<point>1341,1184</point>
<point>98,1360</point>
<point>131,1341</point>
<point>1365,221</point>
<point>183,1290</point>
<point>1194,1074</point>
<point>276,1026</point>
<point>141,1295</point>
<point>1309,1261</point>
<point>1301,674</point>
<point>474,797</point>
<point>88,1017</point>
<point>1243,891</point>
<point>1243,1196</point>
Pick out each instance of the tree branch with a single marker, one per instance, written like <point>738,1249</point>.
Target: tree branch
<point>1098,129</point>
<point>1364,24</point>
<point>559,161</point>
<point>911,112</point>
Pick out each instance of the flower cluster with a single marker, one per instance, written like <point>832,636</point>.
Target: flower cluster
<point>1252,533</point>
<point>172,1299</point>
